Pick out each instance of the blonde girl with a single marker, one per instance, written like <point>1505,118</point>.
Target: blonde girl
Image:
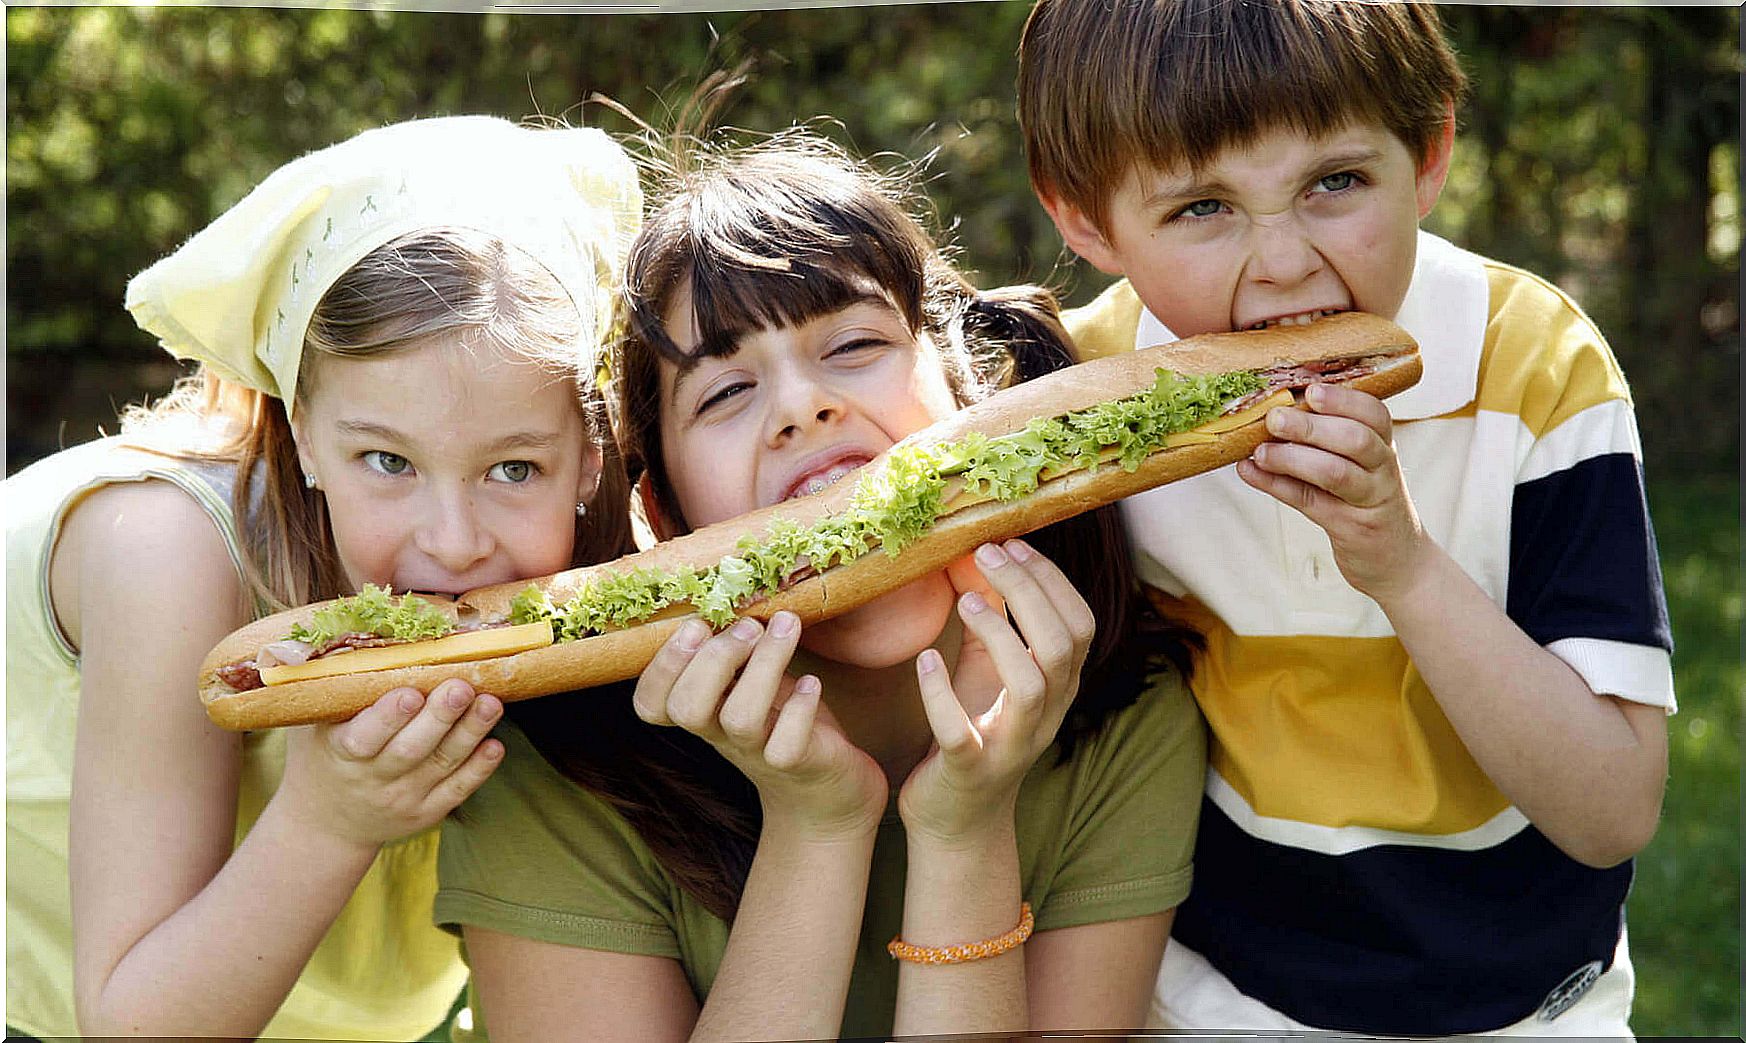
<point>735,864</point>
<point>395,336</point>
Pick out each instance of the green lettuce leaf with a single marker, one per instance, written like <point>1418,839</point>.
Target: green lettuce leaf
<point>892,508</point>
<point>374,610</point>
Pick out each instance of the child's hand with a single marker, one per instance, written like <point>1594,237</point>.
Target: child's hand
<point>397,767</point>
<point>1017,687</point>
<point>730,690</point>
<point>1335,463</point>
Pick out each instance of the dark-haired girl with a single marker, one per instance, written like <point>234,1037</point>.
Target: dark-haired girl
<point>965,807</point>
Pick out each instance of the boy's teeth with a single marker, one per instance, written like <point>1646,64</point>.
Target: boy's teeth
<point>1302,319</point>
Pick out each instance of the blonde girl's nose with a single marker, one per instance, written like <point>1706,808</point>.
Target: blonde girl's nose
<point>452,534</point>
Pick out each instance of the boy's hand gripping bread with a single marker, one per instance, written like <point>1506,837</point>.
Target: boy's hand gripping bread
<point>1025,457</point>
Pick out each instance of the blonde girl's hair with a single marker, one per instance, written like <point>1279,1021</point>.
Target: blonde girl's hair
<point>449,282</point>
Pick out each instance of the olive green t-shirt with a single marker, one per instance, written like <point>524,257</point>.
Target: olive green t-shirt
<point>1105,836</point>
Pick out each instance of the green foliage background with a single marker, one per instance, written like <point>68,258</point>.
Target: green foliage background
<point>1599,148</point>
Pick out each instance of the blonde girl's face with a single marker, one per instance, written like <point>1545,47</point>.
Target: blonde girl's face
<point>793,411</point>
<point>446,466</point>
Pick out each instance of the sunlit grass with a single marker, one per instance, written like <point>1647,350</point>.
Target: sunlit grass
<point>1685,907</point>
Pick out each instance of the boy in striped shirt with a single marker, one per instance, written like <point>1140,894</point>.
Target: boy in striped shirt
<point>1438,673</point>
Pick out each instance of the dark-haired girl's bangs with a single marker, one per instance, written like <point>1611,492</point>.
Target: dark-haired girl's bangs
<point>732,299</point>
<point>792,262</point>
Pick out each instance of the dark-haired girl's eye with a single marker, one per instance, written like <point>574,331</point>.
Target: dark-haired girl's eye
<point>849,347</point>
<point>721,395</point>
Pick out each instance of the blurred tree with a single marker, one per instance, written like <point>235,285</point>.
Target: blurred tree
<point>1597,138</point>
<point>1598,149</point>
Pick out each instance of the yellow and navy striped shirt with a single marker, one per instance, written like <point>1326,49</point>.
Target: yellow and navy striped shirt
<point>1356,869</point>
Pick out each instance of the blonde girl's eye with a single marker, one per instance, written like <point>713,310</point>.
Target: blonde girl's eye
<point>387,463</point>
<point>513,471</point>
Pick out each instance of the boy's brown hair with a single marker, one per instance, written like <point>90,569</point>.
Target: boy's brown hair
<point>1105,85</point>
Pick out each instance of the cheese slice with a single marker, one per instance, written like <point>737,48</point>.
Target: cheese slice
<point>1282,397</point>
<point>456,648</point>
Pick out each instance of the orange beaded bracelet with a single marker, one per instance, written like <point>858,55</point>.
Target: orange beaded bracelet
<point>902,950</point>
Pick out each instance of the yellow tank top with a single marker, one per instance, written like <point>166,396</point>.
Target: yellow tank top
<point>382,972</point>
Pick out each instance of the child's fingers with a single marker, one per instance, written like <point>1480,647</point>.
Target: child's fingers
<point>1340,435</point>
<point>698,694</point>
<point>447,704</point>
<point>1344,480</point>
<point>1314,503</point>
<point>1071,605</point>
<point>953,732</point>
<point>791,737</point>
<point>464,738</point>
<point>458,785</point>
<point>1022,679</point>
<point>1338,400</point>
<point>745,716</point>
<point>1037,612</point>
<point>658,678</point>
<point>363,737</point>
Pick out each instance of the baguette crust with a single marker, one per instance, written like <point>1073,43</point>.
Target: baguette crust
<point>625,653</point>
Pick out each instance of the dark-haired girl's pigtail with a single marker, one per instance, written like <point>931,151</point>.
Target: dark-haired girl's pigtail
<point>1025,321</point>
<point>1021,327</point>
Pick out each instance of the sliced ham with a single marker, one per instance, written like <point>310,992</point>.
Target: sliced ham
<point>284,653</point>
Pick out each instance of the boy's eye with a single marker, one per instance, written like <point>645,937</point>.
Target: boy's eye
<point>386,463</point>
<point>1201,208</point>
<point>512,471</point>
<point>1338,182</point>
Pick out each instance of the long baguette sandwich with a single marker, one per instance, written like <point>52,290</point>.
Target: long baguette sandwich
<point>1025,457</point>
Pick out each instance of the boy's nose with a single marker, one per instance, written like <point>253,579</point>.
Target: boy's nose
<point>452,534</point>
<point>1282,253</point>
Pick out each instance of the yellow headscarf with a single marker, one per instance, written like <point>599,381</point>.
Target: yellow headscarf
<point>238,296</point>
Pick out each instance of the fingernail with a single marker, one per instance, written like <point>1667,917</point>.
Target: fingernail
<point>973,603</point>
<point>990,556</point>
<point>745,629</point>
<point>1020,550</point>
<point>493,751</point>
<point>928,662</point>
<point>692,635</point>
<point>1277,421</point>
<point>410,702</point>
<point>807,685</point>
<point>456,697</point>
<point>487,709</point>
<point>1314,394</point>
<point>782,623</point>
